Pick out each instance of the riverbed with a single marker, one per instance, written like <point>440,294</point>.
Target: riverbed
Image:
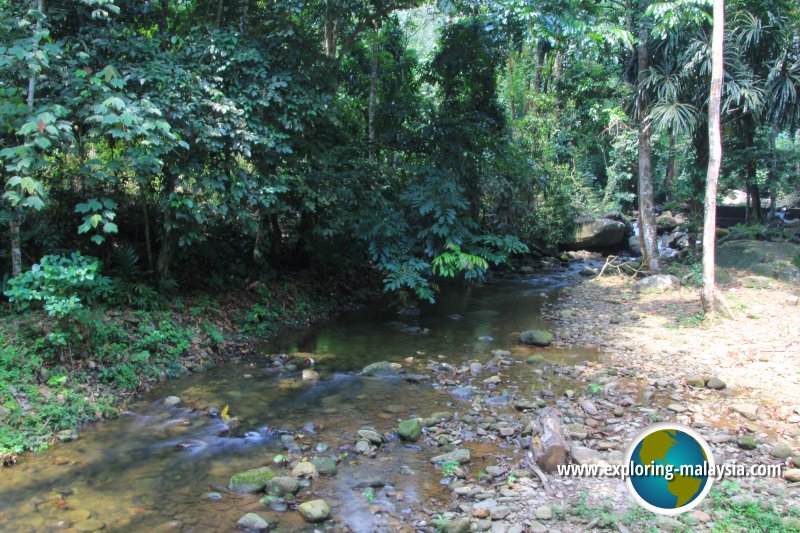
<point>166,466</point>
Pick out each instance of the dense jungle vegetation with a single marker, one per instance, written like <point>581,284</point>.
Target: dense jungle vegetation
<point>158,155</point>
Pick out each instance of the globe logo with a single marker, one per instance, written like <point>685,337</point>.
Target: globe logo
<point>669,466</point>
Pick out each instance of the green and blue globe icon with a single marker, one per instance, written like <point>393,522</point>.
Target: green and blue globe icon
<point>669,468</point>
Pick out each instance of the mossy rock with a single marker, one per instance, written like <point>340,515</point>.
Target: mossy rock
<point>326,466</point>
<point>252,481</point>
<point>536,337</point>
<point>410,430</point>
<point>535,359</point>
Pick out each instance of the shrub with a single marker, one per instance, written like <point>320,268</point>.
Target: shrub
<point>61,284</point>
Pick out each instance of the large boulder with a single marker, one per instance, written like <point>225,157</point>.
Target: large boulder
<point>597,234</point>
<point>772,259</point>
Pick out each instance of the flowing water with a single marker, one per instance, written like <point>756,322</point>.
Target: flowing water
<point>160,467</point>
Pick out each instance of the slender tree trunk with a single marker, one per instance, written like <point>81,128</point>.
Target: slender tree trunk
<point>14,224</point>
<point>16,246</point>
<point>243,15</point>
<point>540,57</point>
<point>166,251</point>
<point>773,171</point>
<point>647,216</point>
<point>373,96</point>
<point>671,167</point>
<point>708,297</point>
<point>164,16</point>
<point>218,20</point>
<point>148,243</point>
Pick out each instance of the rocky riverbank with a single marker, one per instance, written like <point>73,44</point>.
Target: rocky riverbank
<point>659,362</point>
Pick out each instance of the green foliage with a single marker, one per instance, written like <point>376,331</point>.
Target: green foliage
<point>61,284</point>
<point>449,468</point>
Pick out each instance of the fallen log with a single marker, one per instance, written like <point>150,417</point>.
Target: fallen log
<point>549,447</point>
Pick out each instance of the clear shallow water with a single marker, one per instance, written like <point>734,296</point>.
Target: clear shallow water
<point>153,468</point>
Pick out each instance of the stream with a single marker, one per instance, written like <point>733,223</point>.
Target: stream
<point>162,467</point>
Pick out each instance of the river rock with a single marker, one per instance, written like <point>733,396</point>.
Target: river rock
<point>305,469</point>
<point>283,485</point>
<point>89,525</point>
<point>67,435</point>
<point>456,525</point>
<point>543,512</point>
<point>310,375</point>
<point>172,401</point>
<point>597,234</point>
<point>585,456</point>
<point>410,430</point>
<point>535,359</point>
<point>253,522</point>
<point>715,383</point>
<point>459,455</point>
<point>326,466</point>
<point>747,410</point>
<point>792,475</point>
<point>746,442</point>
<point>372,436</point>
<point>381,368</point>
<point>657,284</point>
<point>536,337</point>
<point>781,450</point>
<point>363,447</point>
<point>589,408</point>
<point>696,381</point>
<point>314,511</point>
<point>251,481</point>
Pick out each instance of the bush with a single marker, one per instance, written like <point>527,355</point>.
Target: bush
<point>62,284</point>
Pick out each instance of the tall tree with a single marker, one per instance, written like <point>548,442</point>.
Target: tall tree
<point>715,157</point>
<point>647,217</point>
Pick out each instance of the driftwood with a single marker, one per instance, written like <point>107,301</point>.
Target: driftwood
<point>550,447</point>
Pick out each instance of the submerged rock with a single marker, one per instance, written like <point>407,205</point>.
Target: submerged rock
<point>283,485</point>
<point>325,465</point>
<point>381,368</point>
<point>252,522</point>
<point>314,511</point>
<point>536,337</point>
<point>459,455</point>
<point>251,481</point>
<point>410,430</point>
<point>306,469</point>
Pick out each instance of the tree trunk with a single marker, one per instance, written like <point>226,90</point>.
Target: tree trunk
<point>16,246</point>
<point>708,297</point>
<point>166,251</point>
<point>512,111</point>
<point>550,449</point>
<point>671,167</point>
<point>243,15</point>
<point>373,97</point>
<point>14,224</point>
<point>164,16</point>
<point>218,20</point>
<point>647,217</point>
<point>773,171</point>
<point>147,241</point>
